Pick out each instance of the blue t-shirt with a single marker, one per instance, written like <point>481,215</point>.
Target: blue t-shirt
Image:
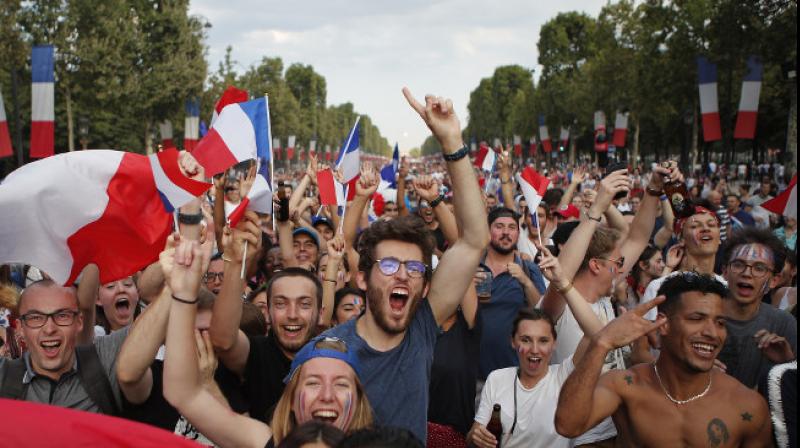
<point>508,297</point>
<point>397,380</point>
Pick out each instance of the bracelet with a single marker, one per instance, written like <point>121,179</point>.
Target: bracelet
<point>663,197</point>
<point>593,219</point>
<point>653,192</point>
<point>505,181</point>
<point>329,280</point>
<point>224,258</point>
<point>436,201</point>
<point>190,220</point>
<point>188,302</point>
<point>456,156</point>
<point>565,289</point>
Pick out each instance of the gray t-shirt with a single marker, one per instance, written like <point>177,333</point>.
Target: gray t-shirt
<point>68,392</point>
<point>397,380</point>
<point>741,354</point>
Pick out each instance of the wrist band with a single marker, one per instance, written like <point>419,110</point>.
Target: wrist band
<point>436,201</point>
<point>663,197</point>
<point>505,181</point>
<point>593,219</point>
<point>653,192</point>
<point>224,258</point>
<point>329,280</point>
<point>190,219</point>
<point>565,289</point>
<point>188,302</point>
<point>456,156</point>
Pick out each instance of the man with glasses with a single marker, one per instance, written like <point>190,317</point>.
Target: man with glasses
<point>214,274</point>
<point>406,302</point>
<point>759,335</point>
<point>49,372</point>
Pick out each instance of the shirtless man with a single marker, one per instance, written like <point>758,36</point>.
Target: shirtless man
<point>681,400</point>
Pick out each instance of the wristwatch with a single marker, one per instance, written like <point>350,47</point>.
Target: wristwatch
<point>190,219</point>
<point>458,155</point>
<point>653,192</point>
<point>436,201</point>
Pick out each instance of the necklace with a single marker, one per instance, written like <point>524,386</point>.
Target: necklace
<point>681,402</point>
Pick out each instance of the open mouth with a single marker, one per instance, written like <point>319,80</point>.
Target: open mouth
<point>745,289</point>
<point>326,416</point>
<point>704,350</point>
<point>123,305</point>
<point>292,331</point>
<point>534,362</point>
<point>50,348</point>
<point>398,299</point>
<point>706,239</point>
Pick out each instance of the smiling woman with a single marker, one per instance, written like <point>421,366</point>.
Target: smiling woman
<point>117,304</point>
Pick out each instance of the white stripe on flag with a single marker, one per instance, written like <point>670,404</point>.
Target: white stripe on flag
<point>192,128</point>
<point>750,93</point>
<point>236,130</point>
<point>177,196</point>
<point>708,98</point>
<point>42,99</point>
<point>2,109</point>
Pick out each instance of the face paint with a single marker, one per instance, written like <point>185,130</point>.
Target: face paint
<point>752,252</point>
<point>348,412</point>
<point>355,301</point>
<point>300,402</point>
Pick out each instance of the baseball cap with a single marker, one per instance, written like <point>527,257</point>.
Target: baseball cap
<point>322,220</point>
<point>569,211</point>
<point>306,231</point>
<point>312,350</point>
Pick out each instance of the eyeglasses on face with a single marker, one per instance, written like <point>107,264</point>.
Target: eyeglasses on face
<point>390,266</point>
<point>62,318</point>
<point>757,270</point>
<point>213,276</point>
<point>620,262</point>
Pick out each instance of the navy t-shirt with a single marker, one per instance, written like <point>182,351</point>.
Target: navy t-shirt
<point>397,380</point>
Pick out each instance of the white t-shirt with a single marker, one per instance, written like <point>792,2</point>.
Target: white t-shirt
<point>569,336</point>
<point>652,291</point>
<point>536,407</point>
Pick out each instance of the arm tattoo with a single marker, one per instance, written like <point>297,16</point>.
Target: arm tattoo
<point>718,434</point>
<point>629,379</point>
<point>748,417</point>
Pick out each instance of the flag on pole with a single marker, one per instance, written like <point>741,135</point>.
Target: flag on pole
<point>349,157</point>
<point>544,135</point>
<point>785,204</point>
<point>564,137</point>
<point>389,171</point>
<point>290,147</point>
<point>620,129</point>
<point>327,153</point>
<point>748,104</point>
<point>110,208</point>
<point>707,84</point>
<point>229,96</point>
<point>533,186</point>
<point>533,145</point>
<point>42,102</point>
<point>600,132</point>
<point>5,137</point>
<point>240,133</point>
<point>276,147</point>
<point>312,147</point>
<point>517,146</point>
<point>165,129</point>
<point>191,128</point>
<point>485,158</point>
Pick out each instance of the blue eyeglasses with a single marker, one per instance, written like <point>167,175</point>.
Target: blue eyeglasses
<point>390,266</point>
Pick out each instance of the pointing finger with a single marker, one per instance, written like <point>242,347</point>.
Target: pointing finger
<point>413,102</point>
<point>643,308</point>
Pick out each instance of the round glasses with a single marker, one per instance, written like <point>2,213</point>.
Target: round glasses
<point>390,266</point>
<point>757,270</point>
<point>62,318</point>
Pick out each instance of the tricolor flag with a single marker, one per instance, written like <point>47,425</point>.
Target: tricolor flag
<point>533,145</point>
<point>600,132</point>
<point>707,83</point>
<point>258,199</point>
<point>497,145</point>
<point>517,146</point>
<point>276,147</point>
<point>312,147</point>
<point>42,102</point>
<point>389,171</point>
<point>564,137</point>
<point>5,138</point>
<point>240,133</point>
<point>165,129</point>
<point>327,153</point>
<point>191,128</point>
<point>110,208</point>
<point>544,135</point>
<point>748,104</point>
<point>290,147</point>
<point>229,96</point>
<point>348,163</point>
<point>784,204</point>
<point>485,158</point>
<point>620,130</point>
<point>533,186</point>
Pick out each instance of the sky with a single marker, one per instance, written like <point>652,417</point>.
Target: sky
<point>367,50</point>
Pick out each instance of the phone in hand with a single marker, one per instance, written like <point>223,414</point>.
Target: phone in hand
<point>283,202</point>
<point>616,166</point>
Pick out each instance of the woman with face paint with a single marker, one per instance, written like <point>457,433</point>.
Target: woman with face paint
<point>322,384</point>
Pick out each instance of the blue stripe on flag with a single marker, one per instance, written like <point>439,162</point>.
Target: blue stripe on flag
<point>167,205</point>
<point>193,107</point>
<point>258,113</point>
<point>754,69</point>
<point>42,64</point>
<point>353,143</point>
<point>542,120</point>
<point>706,71</point>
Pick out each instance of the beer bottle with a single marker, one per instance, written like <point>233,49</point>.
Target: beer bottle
<point>678,196</point>
<point>495,426</point>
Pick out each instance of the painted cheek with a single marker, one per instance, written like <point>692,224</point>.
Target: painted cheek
<point>349,409</point>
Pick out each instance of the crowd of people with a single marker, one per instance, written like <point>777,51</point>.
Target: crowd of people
<point>597,317</point>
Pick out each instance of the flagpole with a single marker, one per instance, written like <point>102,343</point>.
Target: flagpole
<point>271,158</point>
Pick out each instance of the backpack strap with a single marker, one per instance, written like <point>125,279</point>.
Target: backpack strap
<point>12,386</point>
<point>94,379</point>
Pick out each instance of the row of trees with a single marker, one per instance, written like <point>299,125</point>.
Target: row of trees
<point>124,66</point>
<point>640,57</point>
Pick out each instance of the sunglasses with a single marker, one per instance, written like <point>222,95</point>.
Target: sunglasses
<point>390,266</point>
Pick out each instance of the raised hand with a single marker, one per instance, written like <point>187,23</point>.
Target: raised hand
<point>246,230</point>
<point>668,169</point>
<point>630,326</point>
<point>312,168</point>
<point>775,348</point>
<point>368,180</point>
<point>551,268</point>
<point>189,166</point>
<point>426,187</point>
<point>336,247</point>
<point>578,175</point>
<point>403,170</point>
<point>614,183</point>
<point>206,359</point>
<point>246,183</point>
<point>165,258</point>
<point>674,256</point>
<point>439,115</point>
<point>186,272</point>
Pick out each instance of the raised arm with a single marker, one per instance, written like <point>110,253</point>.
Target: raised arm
<point>402,173</point>
<point>183,386</point>
<point>87,298</point>
<point>507,185</point>
<point>455,270</point>
<point>336,248</point>
<point>587,398</point>
<point>309,178</point>
<point>366,185</point>
<point>578,176</point>
<point>662,237</point>
<point>428,189</point>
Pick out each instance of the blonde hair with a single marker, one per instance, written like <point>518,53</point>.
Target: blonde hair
<point>284,421</point>
<point>9,297</point>
<point>603,242</point>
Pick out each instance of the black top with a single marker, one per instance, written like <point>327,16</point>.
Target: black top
<point>270,443</point>
<point>266,368</point>
<point>455,369</point>
<point>157,411</point>
<point>441,242</point>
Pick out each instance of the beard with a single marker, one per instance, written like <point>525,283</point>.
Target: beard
<point>500,249</point>
<point>375,304</point>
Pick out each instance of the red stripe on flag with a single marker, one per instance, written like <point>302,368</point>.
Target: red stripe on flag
<point>229,96</point>
<point>327,189</point>
<point>536,180</point>
<point>213,154</point>
<point>42,139</point>
<point>5,141</point>
<point>778,204</point>
<point>547,146</point>
<point>619,137</point>
<point>168,159</point>
<point>189,144</point>
<point>711,127</point>
<point>238,212</point>
<point>745,125</point>
<point>167,143</point>
<point>351,188</point>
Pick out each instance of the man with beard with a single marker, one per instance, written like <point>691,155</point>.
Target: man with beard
<point>406,304</point>
<point>759,335</point>
<point>681,399</point>
<point>294,299</point>
<point>516,284</point>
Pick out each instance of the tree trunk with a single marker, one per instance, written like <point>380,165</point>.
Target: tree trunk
<point>148,142</point>
<point>695,136</point>
<point>636,122</point>
<point>70,122</point>
<point>791,132</point>
<point>572,148</point>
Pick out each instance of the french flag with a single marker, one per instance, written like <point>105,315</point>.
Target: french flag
<point>110,208</point>
<point>620,130</point>
<point>748,104</point>
<point>544,135</point>
<point>327,153</point>
<point>240,133</point>
<point>389,171</point>
<point>533,186</point>
<point>517,146</point>
<point>258,199</point>
<point>348,162</point>
<point>165,129</point>
<point>290,147</point>
<point>276,147</point>
<point>707,83</point>
<point>5,138</point>
<point>191,128</point>
<point>229,96</point>
<point>312,147</point>
<point>784,204</point>
<point>532,149</point>
<point>42,102</point>
<point>485,158</point>
<point>564,137</point>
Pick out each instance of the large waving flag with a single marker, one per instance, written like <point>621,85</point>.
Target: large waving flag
<point>42,102</point>
<point>165,129</point>
<point>349,159</point>
<point>784,204</point>
<point>544,135</point>
<point>5,138</point>
<point>709,107</point>
<point>240,133</point>
<point>229,96</point>
<point>110,208</point>
<point>389,171</point>
<point>748,104</point>
<point>620,129</point>
<point>191,128</point>
<point>533,186</point>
